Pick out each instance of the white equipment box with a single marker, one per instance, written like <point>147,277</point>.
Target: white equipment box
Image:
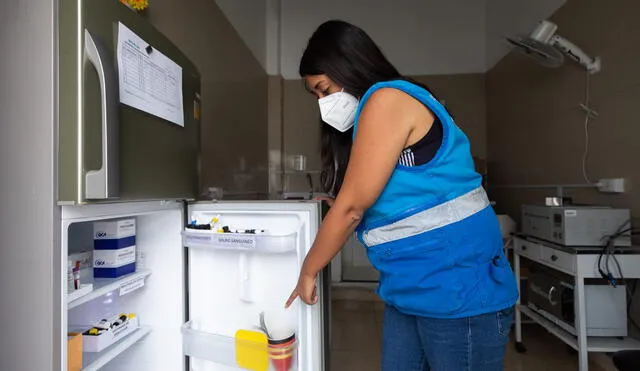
<point>576,225</point>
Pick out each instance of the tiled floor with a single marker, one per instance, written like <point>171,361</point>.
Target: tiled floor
<point>357,331</point>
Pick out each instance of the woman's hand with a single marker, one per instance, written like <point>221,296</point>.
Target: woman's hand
<point>305,289</point>
<point>328,200</point>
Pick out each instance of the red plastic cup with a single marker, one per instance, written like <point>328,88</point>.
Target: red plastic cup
<point>281,353</point>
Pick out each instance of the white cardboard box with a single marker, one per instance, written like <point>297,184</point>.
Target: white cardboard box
<point>114,258</point>
<point>114,229</point>
<point>94,344</point>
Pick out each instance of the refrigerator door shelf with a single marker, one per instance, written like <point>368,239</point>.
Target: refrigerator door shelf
<point>258,243</point>
<point>226,351</point>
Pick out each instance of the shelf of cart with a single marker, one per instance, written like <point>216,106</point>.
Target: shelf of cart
<point>594,343</point>
<point>238,352</point>
<point>257,243</point>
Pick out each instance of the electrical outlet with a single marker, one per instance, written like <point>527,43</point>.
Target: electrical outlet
<point>615,185</point>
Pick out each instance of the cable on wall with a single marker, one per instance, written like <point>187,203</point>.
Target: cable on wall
<point>589,114</point>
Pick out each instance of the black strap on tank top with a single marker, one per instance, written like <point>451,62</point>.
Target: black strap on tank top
<point>425,149</point>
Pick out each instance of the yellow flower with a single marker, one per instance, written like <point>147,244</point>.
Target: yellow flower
<point>138,4</point>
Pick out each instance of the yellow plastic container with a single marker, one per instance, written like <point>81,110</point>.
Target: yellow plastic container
<point>252,350</point>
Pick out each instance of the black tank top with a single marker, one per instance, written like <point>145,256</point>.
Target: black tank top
<point>425,149</point>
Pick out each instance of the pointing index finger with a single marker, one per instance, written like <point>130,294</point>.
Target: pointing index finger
<point>291,299</point>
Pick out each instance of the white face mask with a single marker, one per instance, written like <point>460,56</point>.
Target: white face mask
<point>338,110</point>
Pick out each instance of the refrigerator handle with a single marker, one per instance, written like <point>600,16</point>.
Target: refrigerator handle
<point>103,183</point>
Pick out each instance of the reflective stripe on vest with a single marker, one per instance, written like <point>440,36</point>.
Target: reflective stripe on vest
<point>428,220</point>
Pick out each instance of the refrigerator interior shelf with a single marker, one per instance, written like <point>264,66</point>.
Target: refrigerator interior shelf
<point>229,351</point>
<point>95,361</point>
<point>84,290</point>
<point>103,286</point>
<point>259,243</point>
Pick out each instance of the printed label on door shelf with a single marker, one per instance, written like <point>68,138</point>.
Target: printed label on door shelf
<point>236,242</point>
<point>131,286</point>
<point>194,238</point>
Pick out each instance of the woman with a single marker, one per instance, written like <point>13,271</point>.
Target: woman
<point>405,181</point>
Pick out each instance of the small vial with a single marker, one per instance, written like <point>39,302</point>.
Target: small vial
<point>70,285</point>
<point>76,275</point>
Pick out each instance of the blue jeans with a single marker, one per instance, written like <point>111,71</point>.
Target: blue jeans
<point>411,343</point>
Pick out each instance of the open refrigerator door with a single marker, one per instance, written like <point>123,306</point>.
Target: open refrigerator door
<point>243,262</point>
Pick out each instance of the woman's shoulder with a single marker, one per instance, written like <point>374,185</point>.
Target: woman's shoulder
<point>393,100</point>
<point>400,84</point>
<point>391,95</point>
<point>395,107</point>
<point>387,95</point>
<point>397,83</point>
<point>394,90</point>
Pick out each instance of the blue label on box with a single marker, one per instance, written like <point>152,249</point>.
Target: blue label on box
<point>114,272</point>
<point>114,243</point>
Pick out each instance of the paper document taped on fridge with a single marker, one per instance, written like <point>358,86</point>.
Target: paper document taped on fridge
<point>149,80</point>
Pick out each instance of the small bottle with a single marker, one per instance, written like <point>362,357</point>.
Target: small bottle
<point>70,285</point>
<point>76,275</point>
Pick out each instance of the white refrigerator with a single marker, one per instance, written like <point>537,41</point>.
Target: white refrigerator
<point>74,154</point>
<point>194,289</point>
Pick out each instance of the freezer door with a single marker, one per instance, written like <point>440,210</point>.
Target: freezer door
<point>108,150</point>
<point>234,277</point>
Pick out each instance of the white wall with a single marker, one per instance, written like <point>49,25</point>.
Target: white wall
<point>508,17</point>
<point>272,33</point>
<point>249,18</point>
<point>421,37</point>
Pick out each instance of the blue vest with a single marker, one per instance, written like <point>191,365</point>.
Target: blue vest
<point>432,233</point>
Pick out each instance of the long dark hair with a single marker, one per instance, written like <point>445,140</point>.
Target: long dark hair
<point>349,57</point>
